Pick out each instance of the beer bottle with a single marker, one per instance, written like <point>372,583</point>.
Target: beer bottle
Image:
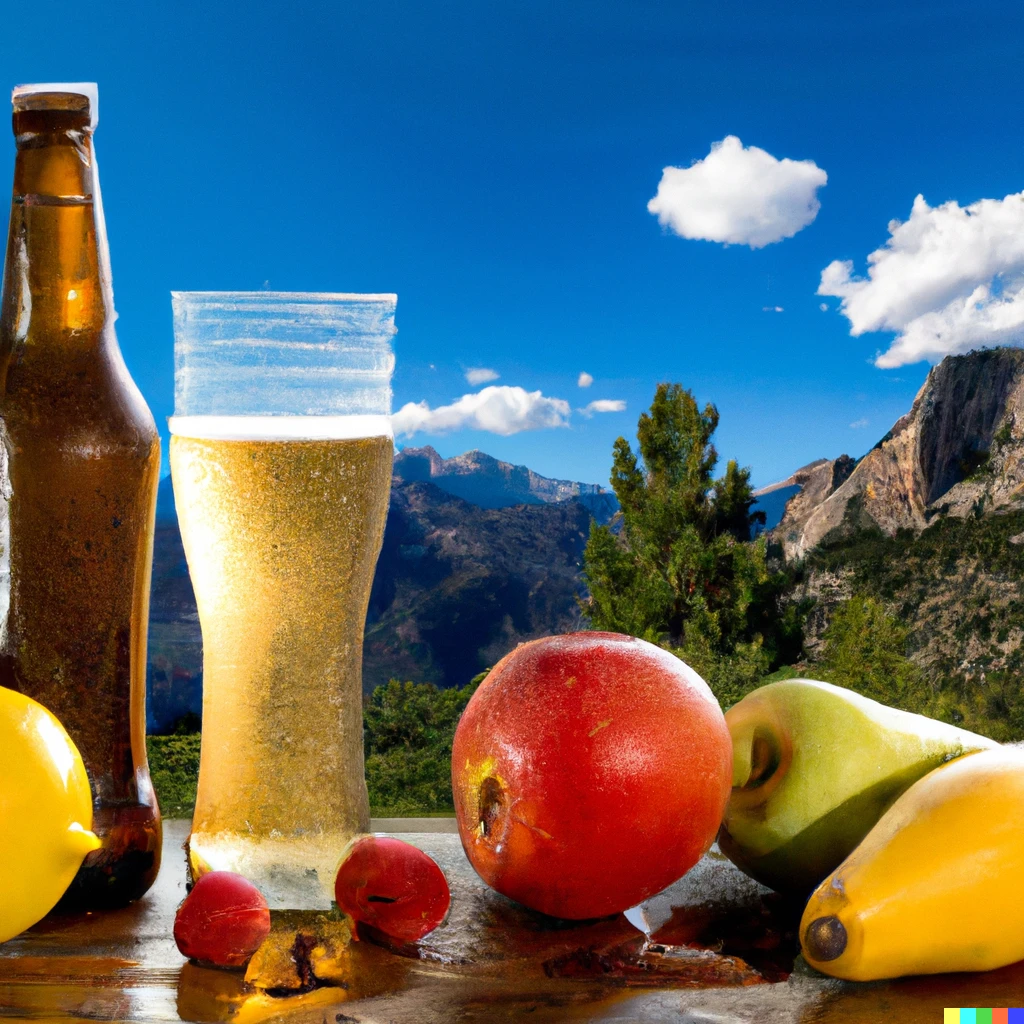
<point>82,462</point>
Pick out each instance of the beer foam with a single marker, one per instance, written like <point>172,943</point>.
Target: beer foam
<point>280,428</point>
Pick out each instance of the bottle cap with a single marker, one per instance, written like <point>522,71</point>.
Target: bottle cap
<point>81,97</point>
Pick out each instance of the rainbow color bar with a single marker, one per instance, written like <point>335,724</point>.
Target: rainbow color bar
<point>988,1015</point>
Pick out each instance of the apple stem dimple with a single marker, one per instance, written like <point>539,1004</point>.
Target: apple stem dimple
<point>491,803</point>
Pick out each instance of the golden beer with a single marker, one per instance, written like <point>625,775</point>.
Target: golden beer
<point>282,536</point>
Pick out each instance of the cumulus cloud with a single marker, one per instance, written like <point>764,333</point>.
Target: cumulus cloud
<point>497,409</point>
<point>603,405</point>
<point>948,279</point>
<point>772,309</point>
<point>739,195</point>
<point>480,375</point>
<point>859,424</point>
<point>585,380</point>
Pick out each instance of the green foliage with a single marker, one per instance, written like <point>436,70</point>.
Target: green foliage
<point>990,703</point>
<point>174,768</point>
<point>1003,436</point>
<point>730,676</point>
<point>409,732</point>
<point>683,571</point>
<point>955,587</point>
<point>866,650</point>
<point>888,566</point>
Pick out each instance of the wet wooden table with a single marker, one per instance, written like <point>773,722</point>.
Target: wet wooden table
<point>722,950</point>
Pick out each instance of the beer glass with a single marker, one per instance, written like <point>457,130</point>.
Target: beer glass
<point>281,452</point>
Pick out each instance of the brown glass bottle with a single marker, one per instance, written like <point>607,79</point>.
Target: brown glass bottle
<point>82,464</point>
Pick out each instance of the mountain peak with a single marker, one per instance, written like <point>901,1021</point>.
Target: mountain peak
<point>488,482</point>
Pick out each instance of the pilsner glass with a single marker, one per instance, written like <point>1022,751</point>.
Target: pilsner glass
<point>281,453</point>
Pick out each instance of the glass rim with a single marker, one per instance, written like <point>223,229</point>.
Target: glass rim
<point>280,353</point>
<point>297,296</point>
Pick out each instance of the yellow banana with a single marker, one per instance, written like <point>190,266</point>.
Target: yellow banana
<point>45,812</point>
<point>937,885</point>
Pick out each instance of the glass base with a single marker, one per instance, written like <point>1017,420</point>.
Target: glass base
<point>293,873</point>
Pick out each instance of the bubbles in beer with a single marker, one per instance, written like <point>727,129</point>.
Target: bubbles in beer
<point>282,536</point>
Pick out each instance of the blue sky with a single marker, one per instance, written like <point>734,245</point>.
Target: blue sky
<point>492,164</point>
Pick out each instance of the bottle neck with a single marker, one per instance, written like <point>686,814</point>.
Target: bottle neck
<point>57,274</point>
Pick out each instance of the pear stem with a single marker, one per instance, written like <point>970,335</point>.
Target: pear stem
<point>742,758</point>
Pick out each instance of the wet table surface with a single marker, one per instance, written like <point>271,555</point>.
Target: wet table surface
<point>722,949</point>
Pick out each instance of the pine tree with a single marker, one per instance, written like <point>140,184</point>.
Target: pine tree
<point>679,568</point>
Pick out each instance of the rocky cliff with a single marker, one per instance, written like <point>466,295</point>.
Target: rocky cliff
<point>796,497</point>
<point>959,451</point>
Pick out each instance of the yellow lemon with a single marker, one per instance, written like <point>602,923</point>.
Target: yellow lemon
<point>45,812</point>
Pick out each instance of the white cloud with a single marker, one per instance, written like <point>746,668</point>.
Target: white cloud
<point>859,424</point>
<point>585,380</point>
<point>823,306</point>
<point>947,280</point>
<point>603,405</point>
<point>480,375</point>
<point>739,195</point>
<point>498,409</point>
<point>772,309</point>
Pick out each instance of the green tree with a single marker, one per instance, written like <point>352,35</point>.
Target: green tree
<point>681,569</point>
<point>866,650</point>
<point>408,745</point>
<point>174,769</point>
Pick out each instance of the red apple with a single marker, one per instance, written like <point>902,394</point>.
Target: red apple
<point>589,771</point>
<point>223,920</point>
<point>392,886</point>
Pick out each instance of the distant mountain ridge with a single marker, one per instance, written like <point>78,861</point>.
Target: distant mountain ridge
<point>458,586</point>
<point>488,482</point>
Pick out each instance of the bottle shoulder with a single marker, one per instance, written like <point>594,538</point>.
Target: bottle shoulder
<point>69,390</point>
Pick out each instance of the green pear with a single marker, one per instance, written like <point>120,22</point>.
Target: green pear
<point>814,768</point>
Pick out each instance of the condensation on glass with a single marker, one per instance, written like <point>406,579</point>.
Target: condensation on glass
<point>281,453</point>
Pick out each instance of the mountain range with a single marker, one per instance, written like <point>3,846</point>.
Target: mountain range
<point>478,555</point>
<point>487,482</point>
